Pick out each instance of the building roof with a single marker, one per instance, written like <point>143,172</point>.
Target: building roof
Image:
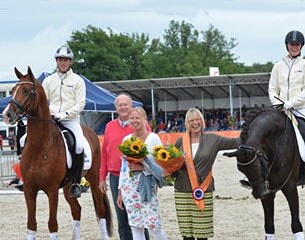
<point>190,88</point>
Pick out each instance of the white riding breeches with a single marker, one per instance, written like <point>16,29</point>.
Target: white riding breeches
<point>75,127</point>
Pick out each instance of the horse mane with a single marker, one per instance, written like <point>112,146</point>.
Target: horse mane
<point>252,115</point>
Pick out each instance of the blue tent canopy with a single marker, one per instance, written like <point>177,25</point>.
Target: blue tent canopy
<point>98,99</point>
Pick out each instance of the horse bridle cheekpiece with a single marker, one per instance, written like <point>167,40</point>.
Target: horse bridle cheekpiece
<point>31,96</point>
<point>257,155</point>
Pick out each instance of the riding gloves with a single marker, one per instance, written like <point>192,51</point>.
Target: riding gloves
<point>288,105</point>
<point>60,116</point>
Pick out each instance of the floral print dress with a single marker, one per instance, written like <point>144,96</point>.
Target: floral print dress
<point>140,214</point>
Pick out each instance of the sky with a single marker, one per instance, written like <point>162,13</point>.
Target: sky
<point>32,30</point>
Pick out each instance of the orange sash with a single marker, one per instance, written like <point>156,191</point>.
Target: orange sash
<point>198,191</point>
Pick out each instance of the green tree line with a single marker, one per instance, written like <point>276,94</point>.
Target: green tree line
<point>103,55</point>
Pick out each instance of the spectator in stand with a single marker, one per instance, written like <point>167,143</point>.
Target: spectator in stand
<point>161,126</point>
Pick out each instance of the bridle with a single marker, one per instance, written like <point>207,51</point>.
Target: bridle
<point>31,97</point>
<point>260,156</point>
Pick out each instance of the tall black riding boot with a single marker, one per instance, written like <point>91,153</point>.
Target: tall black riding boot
<point>77,170</point>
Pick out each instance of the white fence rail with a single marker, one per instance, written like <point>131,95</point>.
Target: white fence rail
<point>7,159</point>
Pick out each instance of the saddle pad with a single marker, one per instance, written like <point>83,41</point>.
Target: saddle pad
<point>298,135</point>
<point>87,151</point>
<point>300,141</point>
<point>87,154</point>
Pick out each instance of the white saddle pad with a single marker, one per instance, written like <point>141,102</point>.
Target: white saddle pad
<point>300,141</point>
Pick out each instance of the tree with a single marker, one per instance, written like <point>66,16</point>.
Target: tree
<point>103,55</point>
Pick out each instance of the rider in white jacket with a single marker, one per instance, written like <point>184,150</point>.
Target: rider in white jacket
<point>66,93</point>
<point>287,81</point>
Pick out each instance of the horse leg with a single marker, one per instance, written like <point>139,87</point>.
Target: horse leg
<point>268,206</point>
<point>102,208</point>
<point>75,211</point>
<point>30,199</point>
<point>53,207</point>
<point>291,194</point>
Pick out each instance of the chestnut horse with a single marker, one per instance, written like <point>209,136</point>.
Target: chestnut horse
<point>269,156</point>
<point>43,163</point>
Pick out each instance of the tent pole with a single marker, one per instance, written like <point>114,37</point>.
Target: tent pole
<point>231,98</point>
<point>165,110</point>
<point>153,104</point>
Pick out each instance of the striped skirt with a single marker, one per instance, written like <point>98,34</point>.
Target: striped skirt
<point>192,221</point>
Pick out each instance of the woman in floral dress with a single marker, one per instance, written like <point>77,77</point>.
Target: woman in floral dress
<point>139,182</point>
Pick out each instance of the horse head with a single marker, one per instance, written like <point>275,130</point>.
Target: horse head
<point>249,162</point>
<point>24,97</point>
<point>264,150</point>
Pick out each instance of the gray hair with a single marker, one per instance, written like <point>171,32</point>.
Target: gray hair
<point>125,95</point>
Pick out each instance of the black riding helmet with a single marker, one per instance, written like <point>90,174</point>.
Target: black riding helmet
<point>294,37</point>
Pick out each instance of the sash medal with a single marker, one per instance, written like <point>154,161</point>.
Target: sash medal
<point>198,191</point>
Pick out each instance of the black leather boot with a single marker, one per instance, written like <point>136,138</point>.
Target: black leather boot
<point>77,170</point>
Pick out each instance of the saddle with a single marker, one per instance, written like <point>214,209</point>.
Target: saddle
<point>71,144</point>
<point>70,138</point>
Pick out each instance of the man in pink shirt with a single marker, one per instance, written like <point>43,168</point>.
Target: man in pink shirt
<point>111,160</point>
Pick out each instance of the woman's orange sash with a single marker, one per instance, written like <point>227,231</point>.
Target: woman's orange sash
<point>198,191</point>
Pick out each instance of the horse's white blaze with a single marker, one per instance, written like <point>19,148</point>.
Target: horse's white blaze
<point>4,114</point>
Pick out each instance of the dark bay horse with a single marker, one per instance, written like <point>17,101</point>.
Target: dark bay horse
<point>269,156</point>
<point>43,162</point>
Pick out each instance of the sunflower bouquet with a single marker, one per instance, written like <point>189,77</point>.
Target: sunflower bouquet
<point>169,158</point>
<point>134,149</point>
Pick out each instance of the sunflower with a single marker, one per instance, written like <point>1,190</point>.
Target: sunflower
<point>166,154</point>
<point>133,147</point>
<point>157,148</point>
<point>163,155</point>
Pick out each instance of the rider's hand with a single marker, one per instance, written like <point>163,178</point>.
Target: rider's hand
<point>288,105</point>
<point>60,116</point>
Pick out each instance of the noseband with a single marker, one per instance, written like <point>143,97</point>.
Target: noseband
<point>31,96</point>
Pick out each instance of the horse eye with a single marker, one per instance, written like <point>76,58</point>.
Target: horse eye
<point>25,91</point>
<point>10,92</point>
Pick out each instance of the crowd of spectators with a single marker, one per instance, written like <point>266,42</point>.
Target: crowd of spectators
<point>215,120</point>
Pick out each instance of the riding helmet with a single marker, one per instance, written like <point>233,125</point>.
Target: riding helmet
<point>65,52</point>
<point>294,37</point>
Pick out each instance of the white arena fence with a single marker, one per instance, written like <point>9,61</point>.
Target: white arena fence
<point>7,159</point>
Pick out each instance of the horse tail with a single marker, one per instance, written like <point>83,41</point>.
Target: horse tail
<point>107,210</point>
<point>108,216</point>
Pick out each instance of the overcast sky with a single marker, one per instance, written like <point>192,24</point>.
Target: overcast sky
<point>31,30</point>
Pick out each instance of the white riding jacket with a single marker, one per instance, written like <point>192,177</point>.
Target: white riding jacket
<point>287,82</point>
<point>68,96</point>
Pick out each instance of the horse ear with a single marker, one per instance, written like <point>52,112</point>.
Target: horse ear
<point>30,73</point>
<point>18,74</point>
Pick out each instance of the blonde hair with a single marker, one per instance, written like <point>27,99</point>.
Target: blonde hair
<point>190,114</point>
<point>141,112</point>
